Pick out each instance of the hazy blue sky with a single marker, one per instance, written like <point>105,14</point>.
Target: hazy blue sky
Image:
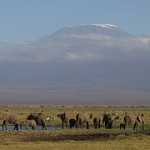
<point>28,20</point>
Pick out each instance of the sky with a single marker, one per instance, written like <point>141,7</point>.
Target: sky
<point>29,20</point>
<point>107,64</point>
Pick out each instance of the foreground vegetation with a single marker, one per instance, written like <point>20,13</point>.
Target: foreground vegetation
<point>68,139</point>
<point>74,139</point>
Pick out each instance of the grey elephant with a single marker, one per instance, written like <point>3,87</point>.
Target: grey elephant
<point>29,123</point>
<point>64,119</point>
<point>10,118</point>
<point>134,120</point>
<point>108,121</point>
<point>96,122</point>
<point>81,119</point>
<point>122,126</point>
<point>39,119</point>
<point>72,123</point>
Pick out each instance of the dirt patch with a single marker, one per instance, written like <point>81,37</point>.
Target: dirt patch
<point>76,137</point>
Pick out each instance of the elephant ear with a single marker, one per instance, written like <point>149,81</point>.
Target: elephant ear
<point>116,118</point>
<point>139,119</point>
<point>91,116</point>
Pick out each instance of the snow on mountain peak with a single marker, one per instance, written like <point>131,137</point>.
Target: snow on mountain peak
<point>106,25</point>
<point>98,25</point>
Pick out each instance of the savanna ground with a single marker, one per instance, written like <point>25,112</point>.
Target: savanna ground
<point>79,139</point>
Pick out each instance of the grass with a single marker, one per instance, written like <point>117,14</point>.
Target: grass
<point>70,139</point>
<point>42,140</point>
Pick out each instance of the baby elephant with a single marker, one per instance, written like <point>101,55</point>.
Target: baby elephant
<point>29,123</point>
<point>122,126</point>
<point>72,123</point>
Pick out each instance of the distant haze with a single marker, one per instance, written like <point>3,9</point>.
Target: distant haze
<point>86,64</point>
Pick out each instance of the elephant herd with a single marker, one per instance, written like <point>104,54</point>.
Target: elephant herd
<point>108,120</point>
<point>81,119</point>
<point>31,121</point>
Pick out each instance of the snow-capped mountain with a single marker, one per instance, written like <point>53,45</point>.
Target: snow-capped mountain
<point>98,29</point>
<point>95,64</point>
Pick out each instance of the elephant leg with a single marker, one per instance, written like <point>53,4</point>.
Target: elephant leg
<point>77,125</point>
<point>70,125</point>
<point>120,126</point>
<point>106,125</point>
<point>21,126</point>
<point>99,126</point>
<point>110,125</point>
<point>33,128</point>
<point>134,126</point>
<point>94,125</point>
<point>62,125</point>
<point>87,125</point>
<point>4,125</point>
<point>82,125</point>
<point>44,126</point>
<point>16,127</point>
<point>143,126</point>
<point>124,126</point>
<point>74,125</point>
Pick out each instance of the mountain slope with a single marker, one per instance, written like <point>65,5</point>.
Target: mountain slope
<point>98,29</point>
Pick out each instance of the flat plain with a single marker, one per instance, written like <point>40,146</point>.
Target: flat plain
<point>69,139</point>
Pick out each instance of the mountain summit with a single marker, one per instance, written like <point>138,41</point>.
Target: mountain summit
<point>98,29</point>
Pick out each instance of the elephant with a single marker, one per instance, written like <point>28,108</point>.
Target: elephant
<point>96,122</point>
<point>64,119</point>
<point>29,123</point>
<point>122,125</point>
<point>81,119</point>
<point>39,119</point>
<point>10,118</point>
<point>108,121</point>
<point>134,120</point>
<point>72,123</point>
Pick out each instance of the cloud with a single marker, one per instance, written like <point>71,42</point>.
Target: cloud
<point>77,48</point>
